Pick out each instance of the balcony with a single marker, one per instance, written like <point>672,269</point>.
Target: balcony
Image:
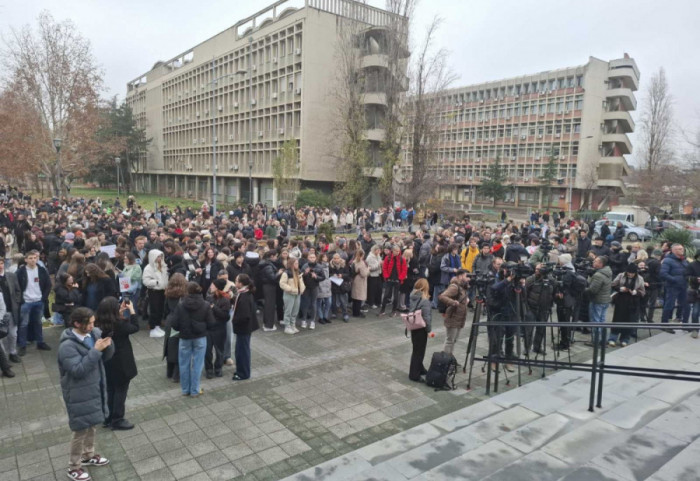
<point>376,98</point>
<point>622,117</point>
<point>627,75</point>
<point>621,142</point>
<point>620,63</point>
<point>613,167</point>
<point>625,95</point>
<point>376,135</point>
<point>375,60</point>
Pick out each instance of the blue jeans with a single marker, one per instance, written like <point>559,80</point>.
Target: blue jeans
<point>57,319</point>
<point>696,312</point>
<point>672,295</point>
<point>323,307</point>
<point>30,314</point>
<point>229,336</point>
<point>191,364</point>
<point>437,290</point>
<point>596,313</point>
<point>243,355</point>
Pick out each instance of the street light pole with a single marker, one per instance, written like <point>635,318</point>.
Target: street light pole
<point>117,160</point>
<point>57,146</point>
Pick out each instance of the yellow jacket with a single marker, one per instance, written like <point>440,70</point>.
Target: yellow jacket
<point>468,255</point>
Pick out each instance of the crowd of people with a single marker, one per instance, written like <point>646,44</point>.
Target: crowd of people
<point>204,283</point>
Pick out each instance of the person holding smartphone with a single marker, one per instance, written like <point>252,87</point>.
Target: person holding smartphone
<point>118,321</point>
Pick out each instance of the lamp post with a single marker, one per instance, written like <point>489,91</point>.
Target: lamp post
<point>117,161</point>
<point>57,145</point>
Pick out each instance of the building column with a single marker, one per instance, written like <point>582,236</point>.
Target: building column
<point>539,200</point>
<point>516,197</point>
<point>238,189</point>
<point>158,184</point>
<point>196,187</point>
<point>177,189</point>
<point>256,191</point>
<point>274,196</point>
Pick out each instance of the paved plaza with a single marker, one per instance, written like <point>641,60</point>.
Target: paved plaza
<point>314,398</point>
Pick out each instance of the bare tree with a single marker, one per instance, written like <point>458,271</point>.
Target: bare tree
<point>657,130</point>
<point>285,172</point>
<point>395,85</point>
<point>61,79</point>
<point>430,75</point>
<point>589,177</point>
<point>349,145</point>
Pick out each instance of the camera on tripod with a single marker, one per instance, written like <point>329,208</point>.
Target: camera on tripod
<point>518,270</point>
<point>584,267</point>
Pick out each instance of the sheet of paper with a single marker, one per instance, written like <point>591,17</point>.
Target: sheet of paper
<point>110,250</point>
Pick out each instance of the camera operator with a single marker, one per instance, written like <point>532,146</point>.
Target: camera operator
<point>504,297</point>
<point>456,299</point>
<point>541,254</point>
<point>653,277</point>
<point>567,297</point>
<point>540,294</point>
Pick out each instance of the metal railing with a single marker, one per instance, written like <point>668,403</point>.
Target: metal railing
<point>597,367</point>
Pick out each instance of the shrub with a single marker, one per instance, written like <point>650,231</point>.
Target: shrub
<point>326,229</point>
<point>679,236</point>
<point>313,197</point>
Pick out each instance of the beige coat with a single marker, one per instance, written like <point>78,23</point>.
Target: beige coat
<point>288,285</point>
<point>359,283</point>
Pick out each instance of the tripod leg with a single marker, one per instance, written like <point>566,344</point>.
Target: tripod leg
<point>474,335</point>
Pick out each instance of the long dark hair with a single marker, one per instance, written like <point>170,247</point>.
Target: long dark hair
<point>247,282</point>
<point>107,315</point>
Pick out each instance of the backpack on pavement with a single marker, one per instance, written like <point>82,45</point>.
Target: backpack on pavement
<point>442,372</point>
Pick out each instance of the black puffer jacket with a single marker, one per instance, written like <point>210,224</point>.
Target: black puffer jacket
<point>221,309</point>
<point>192,317</point>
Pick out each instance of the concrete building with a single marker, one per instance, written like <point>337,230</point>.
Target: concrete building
<point>224,108</point>
<point>580,116</point>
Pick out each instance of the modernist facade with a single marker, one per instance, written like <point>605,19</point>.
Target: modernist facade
<point>580,116</point>
<point>227,105</point>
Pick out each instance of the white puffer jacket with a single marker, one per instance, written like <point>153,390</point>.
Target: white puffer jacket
<point>155,279</point>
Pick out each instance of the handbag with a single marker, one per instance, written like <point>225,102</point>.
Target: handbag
<point>5,323</point>
<point>413,320</point>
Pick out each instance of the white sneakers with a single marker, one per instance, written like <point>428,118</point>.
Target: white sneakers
<point>289,330</point>
<point>312,325</point>
<point>269,329</point>
<point>303,324</point>
<point>157,332</point>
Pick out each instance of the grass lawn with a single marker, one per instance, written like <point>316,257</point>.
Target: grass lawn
<point>144,200</point>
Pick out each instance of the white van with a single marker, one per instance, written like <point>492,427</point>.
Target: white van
<point>627,213</point>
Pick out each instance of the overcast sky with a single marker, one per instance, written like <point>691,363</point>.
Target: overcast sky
<point>487,39</point>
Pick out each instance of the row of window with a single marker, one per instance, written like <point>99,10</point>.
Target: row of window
<point>477,133</point>
<point>513,174</point>
<point>543,151</point>
<point>526,87</point>
<point>506,111</point>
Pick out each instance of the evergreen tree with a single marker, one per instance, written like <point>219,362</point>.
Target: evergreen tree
<point>493,184</point>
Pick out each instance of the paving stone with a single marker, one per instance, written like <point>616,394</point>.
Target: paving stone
<point>248,463</point>
<point>399,443</point>
<point>381,472</point>
<point>149,465</point>
<point>681,422</point>
<point>536,466</point>
<point>475,464</point>
<point>500,423</point>
<point>273,455</point>
<point>185,469</point>
<point>683,467</point>
<point>537,433</point>
<point>642,455</point>
<point>466,416</point>
<point>224,472</point>
<point>283,436</point>
<point>343,467</point>
<point>295,446</point>
<point>592,473</point>
<point>672,391</point>
<point>635,412</point>
<point>237,452</point>
<point>584,442</point>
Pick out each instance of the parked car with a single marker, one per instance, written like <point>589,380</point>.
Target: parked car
<point>632,232</point>
<point>661,225</point>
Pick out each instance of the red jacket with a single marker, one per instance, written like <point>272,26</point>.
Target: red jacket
<point>401,267</point>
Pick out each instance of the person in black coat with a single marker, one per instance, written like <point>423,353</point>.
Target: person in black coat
<point>238,266</point>
<point>67,298</point>
<point>269,275</point>
<point>121,368</point>
<point>245,322</point>
<point>96,286</point>
<point>220,302</point>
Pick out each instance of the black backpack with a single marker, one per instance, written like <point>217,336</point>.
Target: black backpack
<point>442,372</point>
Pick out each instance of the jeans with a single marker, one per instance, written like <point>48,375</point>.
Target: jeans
<point>391,291</point>
<point>596,313</point>
<point>323,307</point>
<point>437,290</point>
<point>340,301</point>
<point>308,313</point>
<point>116,400</point>
<point>10,342</point>
<point>229,337</point>
<point>57,319</point>
<point>270,307</point>
<point>215,346</point>
<point>451,335</point>
<point>191,364</point>
<point>696,312</point>
<point>291,309</point>
<point>243,355</point>
<point>30,322</point>
<point>673,294</point>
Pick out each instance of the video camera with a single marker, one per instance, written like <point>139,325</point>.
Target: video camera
<point>518,270</point>
<point>584,267</point>
<point>481,280</point>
